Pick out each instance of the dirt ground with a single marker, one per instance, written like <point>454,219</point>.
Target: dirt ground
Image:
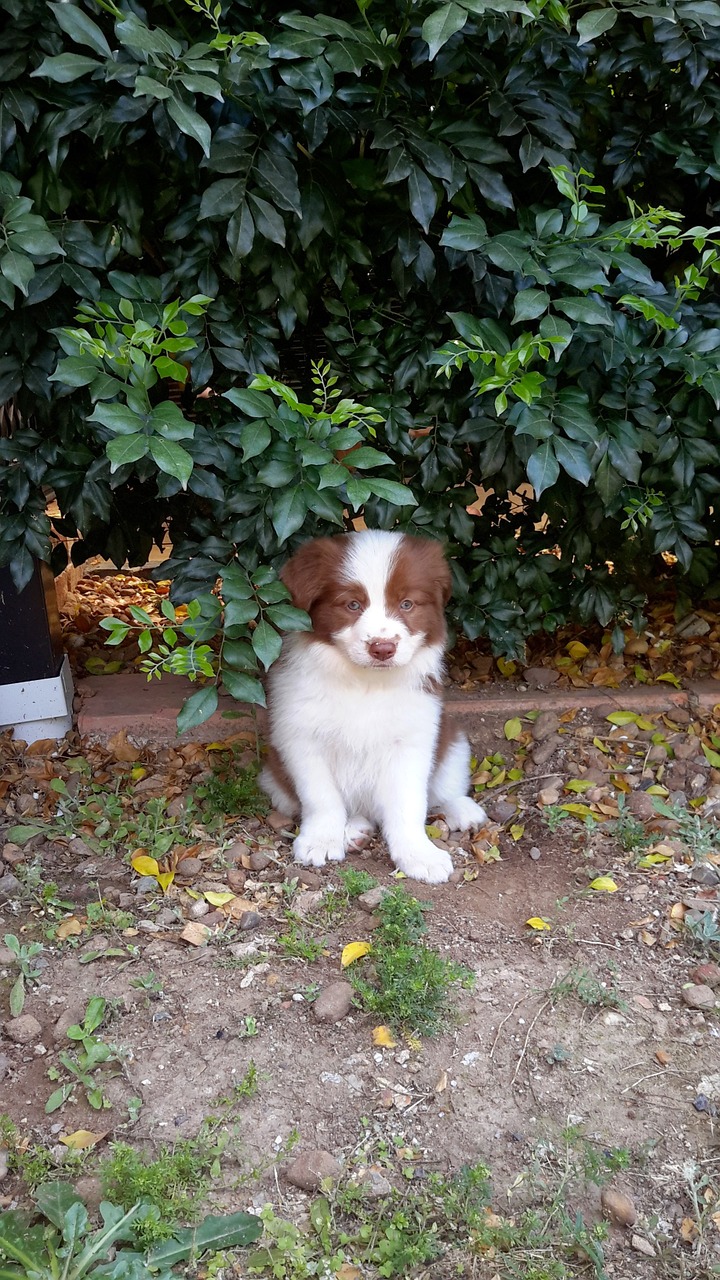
<point>581,1027</point>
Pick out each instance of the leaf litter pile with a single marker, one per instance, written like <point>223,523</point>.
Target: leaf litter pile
<point>672,649</point>
<point>170,982</point>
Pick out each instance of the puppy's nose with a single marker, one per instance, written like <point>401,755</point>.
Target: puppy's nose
<point>382,649</point>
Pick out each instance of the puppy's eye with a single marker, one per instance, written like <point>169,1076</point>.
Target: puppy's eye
<point>354,606</point>
<point>406,604</point>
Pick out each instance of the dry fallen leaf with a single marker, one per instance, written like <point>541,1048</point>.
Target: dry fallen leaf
<point>82,1139</point>
<point>354,951</point>
<point>69,928</point>
<point>383,1038</point>
<point>348,1272</point>
<point>123,750</point>
<point>688,1230</point>
<point>442,1082</point>
<point>195,933</point>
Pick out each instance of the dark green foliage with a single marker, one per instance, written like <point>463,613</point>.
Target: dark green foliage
<point>232,792</point>
<point>224,192</point>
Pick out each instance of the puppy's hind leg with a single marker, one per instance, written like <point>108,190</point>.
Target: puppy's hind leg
<point>449,786</point>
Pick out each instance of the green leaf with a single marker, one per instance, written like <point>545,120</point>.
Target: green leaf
<point>289,510</point>
<point>23,832</point>
<point>573,459</point>
<point>256,436</point>
<point>125,449</point>
<point>76,371</point>
<point>189,122</point>
<point>169,421</point>
<point>423,197</point>
<point>66,67</point>
<point>147,87</point>
<point>254,403</point>
<point>529,304</point>
<point>266,643</point>
<point>595,23</point>
<point>213,1234</point>
<point>76,23</point>
<point>244,687</point>
<point>441,25</point>
<point>268,221</point>
<point>171,458</point>
<point>239,612</point>
<point>17,997</point>
<point>465,234</point>
<point>588,310</point>
<point>54,1199</point>
<point>288,618</point>
<point>391,491</point>
<point>18,269</point>
<point>543,468</point>
<point>198,708</point>
<point>119,418</point>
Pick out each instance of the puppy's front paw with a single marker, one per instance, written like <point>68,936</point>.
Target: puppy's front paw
<point>426,863</point>
<point>315,848</point>
<point>464,814</point>
<point>358,833</point>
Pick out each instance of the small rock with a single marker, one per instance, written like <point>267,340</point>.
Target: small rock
<point>6,956</point>
<point>90,1192</point>
<point>334,1002</point>
<point>237,851</point>
<point>250,920</point>
<point>641,1245</point>
<point>687,748</point>
<point>177,807</point>
<point>198,909</point>
<point>236,880</point>
<point>4,1065</point>
<point>640,805</point>
<point>698,785</point>
<point>72,1016</point>
<point>705,873</point>
<point>373,1183</point>
<point>279,821</point>
<point>540,677</point>
<point>310,1168</point>
<point>149,926</point>
<point>23,1030</point>
<point>12,854</point>
<point>545,749</point>
<point>304,876</point>
<point>618,1207</point>
<point>546,723</point>
<point>3,1163</point>
<point>259,861</point>
<point>657,754</point>
<point>79,849</point>
<point>305,903</point>
<point>549,795</point>
<point>699,996</point>
<point>535,853</point>
<point>189,868</point>
<point>706,975</point>
<point>371,899</point>
<point>502,811</point>
<point>145,884</point>
<point>9,885</point>
<point>691,627</point>
<point>166,917</point>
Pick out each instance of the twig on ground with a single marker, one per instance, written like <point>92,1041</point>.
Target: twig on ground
<point>523,1051</point>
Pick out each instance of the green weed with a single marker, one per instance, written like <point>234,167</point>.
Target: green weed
<point>172,1186</point>
<point>24,954</point>
<point>34,1163</point>
<point>298,944</point>
<point>585,987</point>
<point>232,792</point>
<point>356,882</point>
<point>81,1067</point>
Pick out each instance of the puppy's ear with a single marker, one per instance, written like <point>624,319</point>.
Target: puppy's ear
<point>435,567</point>
<point>311,569</point>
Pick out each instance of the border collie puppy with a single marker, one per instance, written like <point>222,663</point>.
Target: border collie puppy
<point>358,735</point>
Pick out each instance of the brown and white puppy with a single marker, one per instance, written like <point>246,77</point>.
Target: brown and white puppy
<point>358,734</point>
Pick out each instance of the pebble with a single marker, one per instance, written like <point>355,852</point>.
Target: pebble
<point>545,749</point>
<point>641,1245</point>
<point>308,1170</point>
<point>250,920</point>
<point>546,723</point>
<point>373,1183</point>
<point>237,851</point>
<point>79,849</point>
<point>236,881</point>
<point>640,804</point>
<point>259,861</point>
<point>177,807</point>
<point>279,821</point>
<point>371,899</point>
<point>23,1030</point>
<point>166,917</point>
<point>535,853</point>
<point>502,811</point>
<point>699,996</point>
<point>618,1207</point>
<point>149,926</point>
<point>199,909</point>
<point>145,884</point>
<point>4,1065</point>
<point>540,677</point>
<point>304,876</point>
<point>3,1163</point>
<point>9,885</point>
<point>12,853</point>
<point>189,868</point>
<point>705,873</point>
<point>6,956</point>
<point>334,1002</point>
<point>549,795</point>
<point>706,975</point>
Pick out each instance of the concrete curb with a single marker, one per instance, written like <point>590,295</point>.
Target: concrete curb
<point>147,712</point>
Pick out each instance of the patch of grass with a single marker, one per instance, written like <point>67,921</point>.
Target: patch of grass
<point>34,1163</point>
<point>355,882</point>
<point>699,836</point>
<point>628,830</point>
<point>232,792</point>
<point>174,1184</point>
<point>403,982</point>
<point>585,987</point>
<point>298,944</point>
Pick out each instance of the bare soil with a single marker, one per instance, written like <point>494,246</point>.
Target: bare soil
<point>518,1064</point>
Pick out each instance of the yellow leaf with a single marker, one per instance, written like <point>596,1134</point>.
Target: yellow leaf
<point>513,729</point>
<point>537,922</point>
<point>217,899</point>
<point>165,879</point>
<point>145,865</point>
<point>580,784</point>
<point>580,810</point>
<point>670,679</point>
<point>641,674</point>
<point>383,1038</point>
<point>81,1139</point>
<point>498,779</point>
<point>434,833</point>
<point>657,790</point>
<point>652,860</point>
<point>603,884</point>
<point>517,830</point>
<point>505,667</point>
<point>136,774</point>
<point>577,650</point>
<point>711,756</point>
<point>622,717</point>
<point>354,951</point>
<point>601,746</point>
<point>69,928</point>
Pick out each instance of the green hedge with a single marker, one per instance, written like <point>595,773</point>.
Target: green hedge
<point>373,186</point>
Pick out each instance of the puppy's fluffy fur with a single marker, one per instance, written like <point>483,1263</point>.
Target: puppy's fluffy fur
<point>359,738</point>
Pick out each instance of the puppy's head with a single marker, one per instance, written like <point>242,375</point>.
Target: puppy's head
<point>377,596</point>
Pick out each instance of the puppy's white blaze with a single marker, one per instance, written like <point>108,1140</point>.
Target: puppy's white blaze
<point>370,560</point>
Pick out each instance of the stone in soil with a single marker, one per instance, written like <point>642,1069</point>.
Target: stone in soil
<point>9,885</point>
<point>237,851</point>
<point>12,854</point>
<point>640,805</point>
<point>189,868</point>
<point>699,996</point>
<point>304,876</point>
<point>373,1183</point>
<point>545,749</point>
<point>705,873</point>
<point>4,1065</point>
<point>309,1169</point>
<point>706,975</point>
<point>618,1207</point>
<point>334,1002</point>
<point>502,811</point>
<point>259,861</point>
<point>546,723</point>
<point>540,677</point>
<point>236,881</point>
<point>279,821</point>
<point>371,899</point>
<point>250,920</point>
<point>23,1030</point>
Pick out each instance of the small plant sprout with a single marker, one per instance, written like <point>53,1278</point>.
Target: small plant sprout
<point>24,955</point>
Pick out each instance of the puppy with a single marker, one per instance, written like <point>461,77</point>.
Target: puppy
<point>358,735</point>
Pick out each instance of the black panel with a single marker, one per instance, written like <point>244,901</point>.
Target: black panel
<point>30,634</point>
